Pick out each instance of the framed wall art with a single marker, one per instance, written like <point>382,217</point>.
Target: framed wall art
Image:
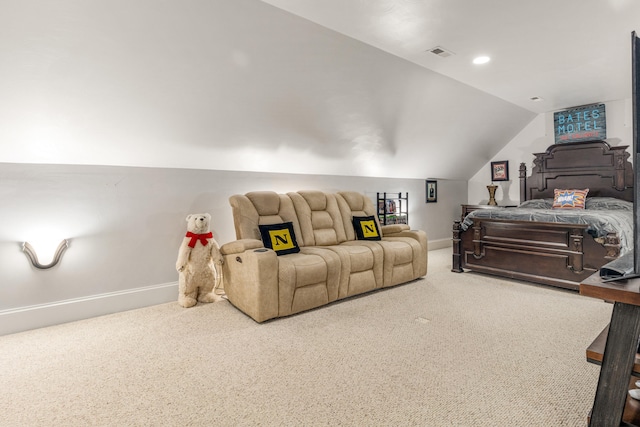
<point>500,171</point>
<point>432,190</point>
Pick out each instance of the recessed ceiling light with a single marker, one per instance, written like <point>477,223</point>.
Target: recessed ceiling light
<point>536,98</point>
<point>481,60</point>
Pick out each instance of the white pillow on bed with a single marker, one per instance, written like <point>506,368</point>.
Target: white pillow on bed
<point>608,203</point>
<point>537,204</point>
<point>593,203</point>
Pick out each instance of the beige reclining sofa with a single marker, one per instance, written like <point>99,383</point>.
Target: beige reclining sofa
<point>315,256</point>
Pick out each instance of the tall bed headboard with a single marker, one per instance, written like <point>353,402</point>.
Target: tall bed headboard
<point>604,170</point>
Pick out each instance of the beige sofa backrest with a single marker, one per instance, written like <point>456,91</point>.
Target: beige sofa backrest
<point>319,218</point>
<point>321,222</point>
<point>352,204</point>
<point>262,208</point>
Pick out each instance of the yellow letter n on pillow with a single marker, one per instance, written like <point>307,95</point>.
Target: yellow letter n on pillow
<point>369,229</point>
<point>366,228</point>
<point>281,239</point>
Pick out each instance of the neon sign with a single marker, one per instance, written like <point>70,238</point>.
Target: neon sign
<point>585,123</point>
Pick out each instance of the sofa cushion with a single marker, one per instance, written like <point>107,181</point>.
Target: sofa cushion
<point>366,228</point>
<point>266,203</point>
<point>306,280</point>
<point>319,217</point>
<point>404,259</point>
<point>405,251</point>
<point>262,208</point>
<point>280,237</point>
<point>361,266</point>
<point>353,205</point>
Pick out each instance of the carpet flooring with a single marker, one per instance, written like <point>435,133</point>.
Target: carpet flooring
<point>447,350</point>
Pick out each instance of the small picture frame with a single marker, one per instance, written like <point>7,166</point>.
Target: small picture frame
<point>500,171</point>
<point>431,190</point>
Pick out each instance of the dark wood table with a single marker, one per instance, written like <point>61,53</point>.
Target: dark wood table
<point>620,349</point>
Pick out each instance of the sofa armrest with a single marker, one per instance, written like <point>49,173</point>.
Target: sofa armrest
<point>418,235</point>
<point>239,246</point>
<point>251,279</point>
<point>393,228</point>
<point>420,265</point>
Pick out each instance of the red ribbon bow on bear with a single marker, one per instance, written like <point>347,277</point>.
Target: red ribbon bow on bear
<point>202,237</point>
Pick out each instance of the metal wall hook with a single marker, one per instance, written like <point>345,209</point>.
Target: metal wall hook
<point>33,257</point>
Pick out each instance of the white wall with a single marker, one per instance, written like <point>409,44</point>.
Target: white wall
<point>125,225</point>
<point>119,118</point>
<point>536,137</point>
<point>229,85</point>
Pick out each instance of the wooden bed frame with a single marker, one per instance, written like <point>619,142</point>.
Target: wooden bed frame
<point>557,254</point>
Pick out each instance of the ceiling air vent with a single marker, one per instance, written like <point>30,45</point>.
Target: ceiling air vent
<point>440,51</point>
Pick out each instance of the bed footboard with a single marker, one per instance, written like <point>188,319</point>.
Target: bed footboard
<point>548,253</point>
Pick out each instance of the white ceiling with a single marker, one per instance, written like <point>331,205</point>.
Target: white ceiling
<point>568,52</point>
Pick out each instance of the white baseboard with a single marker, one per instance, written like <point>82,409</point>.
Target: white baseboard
<point>42,315</point>
<point>439,244</point>
<point>38,316</point>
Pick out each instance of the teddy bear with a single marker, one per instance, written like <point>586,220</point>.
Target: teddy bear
<point>199,263</point>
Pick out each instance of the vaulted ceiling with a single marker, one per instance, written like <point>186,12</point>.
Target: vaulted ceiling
<point>338,87</point>
<point>567,52</point>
